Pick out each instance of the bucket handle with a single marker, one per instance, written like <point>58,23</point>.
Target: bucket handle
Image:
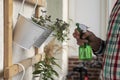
<point>21,9</point>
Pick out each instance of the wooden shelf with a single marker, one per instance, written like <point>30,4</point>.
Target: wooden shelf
<point>41,3</point>
<point>11,69</point>
<point>8,14</point>
<point>15,69</point>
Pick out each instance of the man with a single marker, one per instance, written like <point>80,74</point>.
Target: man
<point>110,49</point>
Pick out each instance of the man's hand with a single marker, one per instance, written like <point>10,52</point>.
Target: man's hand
<point>87,37</point>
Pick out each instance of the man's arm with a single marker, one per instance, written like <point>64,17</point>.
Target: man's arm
<point>97,44</point>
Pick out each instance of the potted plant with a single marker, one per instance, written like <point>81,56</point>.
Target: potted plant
<point>45,68</point>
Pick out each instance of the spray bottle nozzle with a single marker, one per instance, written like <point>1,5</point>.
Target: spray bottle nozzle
<point>81,27</point>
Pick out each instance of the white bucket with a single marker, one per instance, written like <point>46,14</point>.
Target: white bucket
<point>26,33</point>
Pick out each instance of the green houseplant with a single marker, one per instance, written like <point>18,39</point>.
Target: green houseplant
<point>45,68</point>
<point>60,28</point>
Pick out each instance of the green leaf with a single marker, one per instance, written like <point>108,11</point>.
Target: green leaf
<point>37,71</point>
<point>51,78</point>
<point>55,73</point>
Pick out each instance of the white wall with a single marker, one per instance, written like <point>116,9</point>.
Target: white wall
<point>111,4</point>
<point>105,10</point>
<point>1,39</point>
<point>54,8</point>
<point>88,12</point>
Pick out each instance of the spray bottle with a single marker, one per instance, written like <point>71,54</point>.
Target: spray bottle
<point>85,51</point>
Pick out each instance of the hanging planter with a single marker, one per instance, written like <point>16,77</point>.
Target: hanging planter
<point>27,32</point>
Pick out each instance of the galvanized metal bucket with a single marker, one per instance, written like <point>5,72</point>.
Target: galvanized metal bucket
<point>27,33</point>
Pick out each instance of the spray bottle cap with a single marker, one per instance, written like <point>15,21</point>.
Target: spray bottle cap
<point>81,27</point>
